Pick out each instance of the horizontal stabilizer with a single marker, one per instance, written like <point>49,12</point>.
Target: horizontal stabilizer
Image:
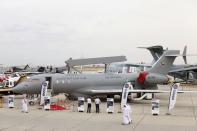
<point>191,68</point>
<point>157,47</point>
<point>164,63</point>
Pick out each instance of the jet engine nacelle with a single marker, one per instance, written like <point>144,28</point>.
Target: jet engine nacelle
<point>152,78</point>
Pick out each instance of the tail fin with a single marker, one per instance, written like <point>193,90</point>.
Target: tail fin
<point>185,54</point>
<point>27,66</point>
<point>156,51</point>
<point>165,62</point>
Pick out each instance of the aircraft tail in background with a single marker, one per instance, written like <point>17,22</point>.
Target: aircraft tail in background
<point>165,62</point>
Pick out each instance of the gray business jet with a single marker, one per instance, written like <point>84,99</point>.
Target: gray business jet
<point>102,83</point>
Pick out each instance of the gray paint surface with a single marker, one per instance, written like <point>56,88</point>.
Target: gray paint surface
<point>76,84</point>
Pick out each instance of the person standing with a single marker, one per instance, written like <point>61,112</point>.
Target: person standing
<point>129,113</point>
<point>89,101</point>
<point>24,105</point>
<point>126,115</point>
<point>97,103</point>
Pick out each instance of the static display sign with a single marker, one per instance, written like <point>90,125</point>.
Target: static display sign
<point>173,96</point>
<point>43,91</point>
<point>125,92</point>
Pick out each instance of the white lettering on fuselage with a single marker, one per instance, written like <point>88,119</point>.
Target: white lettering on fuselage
<point>76,78</point>
<point>113,77</point>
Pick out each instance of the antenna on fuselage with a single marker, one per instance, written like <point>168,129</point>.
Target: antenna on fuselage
<point>70,63</point>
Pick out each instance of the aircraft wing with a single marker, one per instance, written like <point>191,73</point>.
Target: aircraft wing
<point>29,73</point>
<point>193,68</point>
<point>5,91</point>
<point>139,91</point>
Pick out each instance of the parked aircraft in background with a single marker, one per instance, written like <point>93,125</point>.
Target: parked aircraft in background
<point>103,83</point>
<point>9,81</point>
<point>185,72</point>
<point>3,79</point>
<point>27,70</point>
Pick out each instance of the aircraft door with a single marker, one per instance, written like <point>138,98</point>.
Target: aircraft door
<point>49,79</point>
<point>50,85</point>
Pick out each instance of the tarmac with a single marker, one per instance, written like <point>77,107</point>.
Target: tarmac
<point>183,117</point>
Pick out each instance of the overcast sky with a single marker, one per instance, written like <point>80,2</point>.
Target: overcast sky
<point>51,31</point>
